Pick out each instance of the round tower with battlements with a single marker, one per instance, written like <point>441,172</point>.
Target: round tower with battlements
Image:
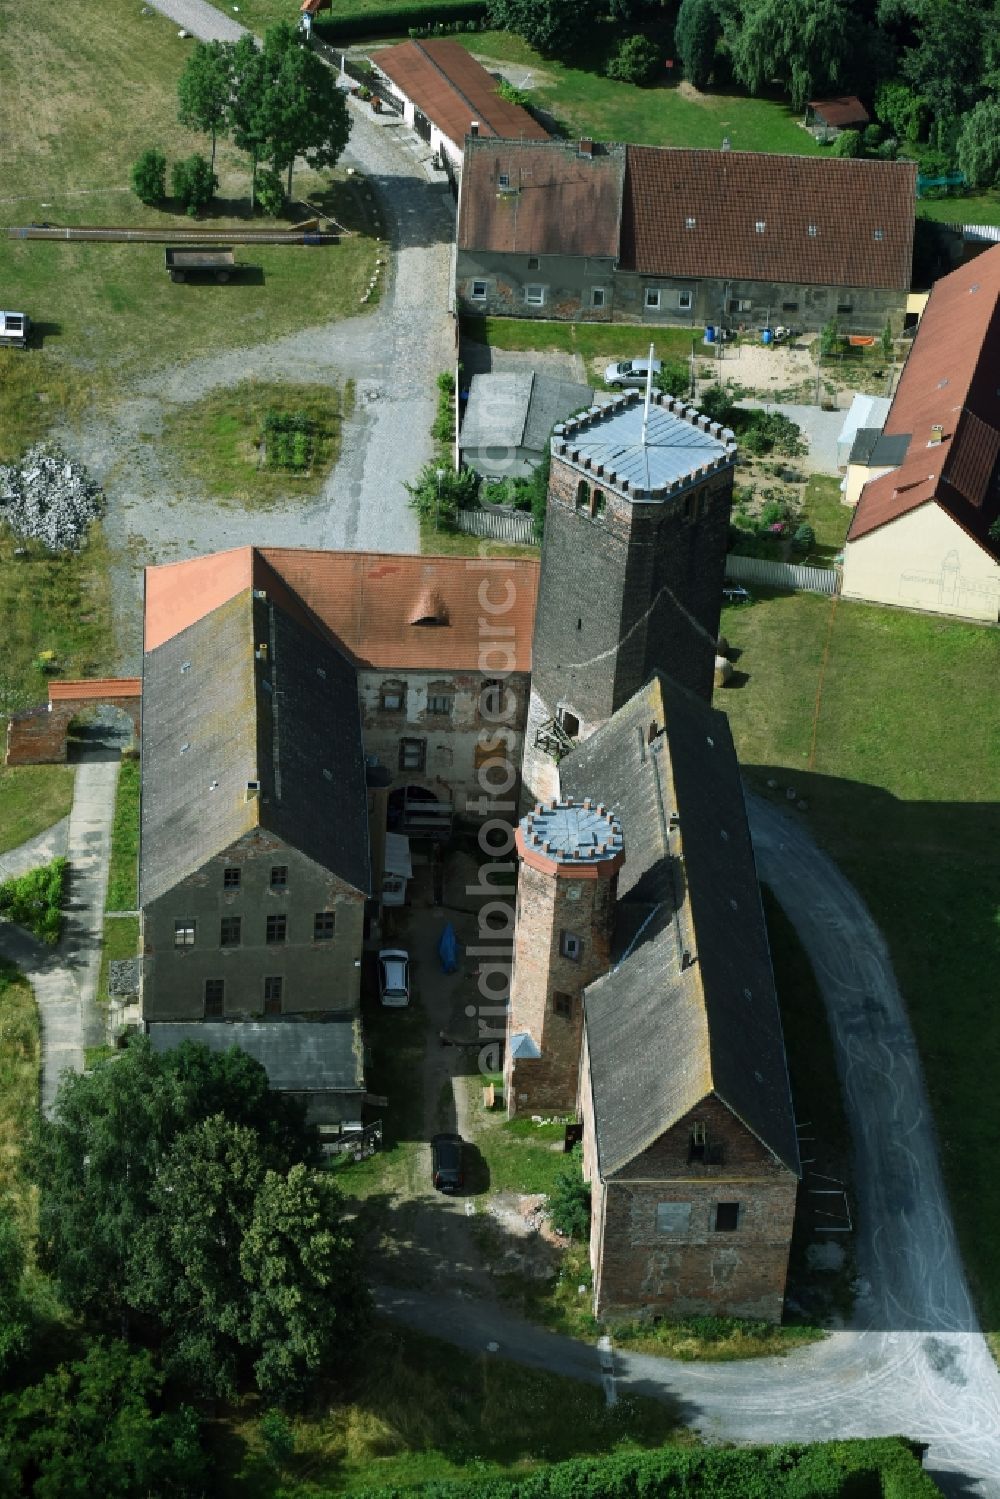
<point>633,563</point>
<point>570,854</point>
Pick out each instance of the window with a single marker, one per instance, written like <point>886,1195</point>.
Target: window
<point>479,289</point>
<point>597,296</point>
<point>812,231</point>
<point>685,301</point>
<point>789,306</point>
<point>272,995</point>
<point>570,946</point>
<point>229,934</point>
<point>652,299</point>
<point>699,1142</point>
<point>277,928</point>
<point>324,925</point>
<point>741,304</point>
<point>760,226</point>
<point>440,702</point>
<point>503,180</point>
<point>597,503</point>
<point>582,494</point>
<point>392,696</point>
<point>215,997</point>
<point>727,1217</point>
<point>184,932</point>
<point>231,879</point>
<point>568,721</point>
<point>880,234</point>
<point>562,1004</point>
<point>845,307</point>
<point>532,262</point>
<point>534,296</point>
<point>690,222</point>
<point>672,1217</point>
<point>412,754</point>
<point>492,699</point>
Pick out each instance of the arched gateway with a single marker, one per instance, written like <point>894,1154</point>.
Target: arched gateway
<point>38,735</point>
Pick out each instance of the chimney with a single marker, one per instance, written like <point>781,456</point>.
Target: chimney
<point>474,128</point>
<point>586,147</point>
<point>937,433</point>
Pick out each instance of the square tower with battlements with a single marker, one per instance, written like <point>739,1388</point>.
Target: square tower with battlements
<point>633,564</point>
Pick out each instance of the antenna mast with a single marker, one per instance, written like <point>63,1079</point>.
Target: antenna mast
<point>649,395</point>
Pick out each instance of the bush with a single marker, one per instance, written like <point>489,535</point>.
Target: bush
<point>716,401</point>
<point>829,338</point>
<point>440,499</point>
<point>443,426</point>
<point>674,378</point>
<point>149,177</point>
<point>35,900</point>
<point>289,438</point>
<point>194,183</point>
<point>635,60</point>
<point>848,143</point>
<point>872,137</point>
<point>569,1202</point>
<point>270,192</point>
<point>412,18</point>
<point>804,538</point>
<point>512,95</point>
<point>763,432</point>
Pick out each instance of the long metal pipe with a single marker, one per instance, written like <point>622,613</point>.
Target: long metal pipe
<point>175,236</point>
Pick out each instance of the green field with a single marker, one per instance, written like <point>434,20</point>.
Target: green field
<point>887,725</point>
<point>123,869</point>
<point>32,798</point>
<point>78,103</point>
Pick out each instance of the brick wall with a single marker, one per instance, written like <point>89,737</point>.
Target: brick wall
<point>547,906</point>
<point>38,736</point>
<point>659,1249</point>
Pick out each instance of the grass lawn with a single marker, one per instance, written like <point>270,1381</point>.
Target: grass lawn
<point>32,798</point>
<point>519,1156</point>
<point>35,390</point>
<point>216,439</point>
<point>20,1055</point>
<point>597,343</point>
<point>412,1410</point>
<point>822,508</point>
<point>58,603</point>
<point>78,103</point>
<point>123,874</point>
<point>459,544</point>
<point>974,208</point>
<point>887,725</point>
<point>121,940</point>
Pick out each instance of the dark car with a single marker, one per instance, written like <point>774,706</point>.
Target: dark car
<point>446,1162</point>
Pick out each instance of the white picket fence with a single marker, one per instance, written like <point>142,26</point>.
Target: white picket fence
<point>515,526</point>
<point>782,574</point>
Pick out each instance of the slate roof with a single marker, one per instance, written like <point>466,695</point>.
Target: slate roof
<point>951,379</point>
<point>681,445</point>
<point>519,409</point>
<point>298,1056</point>
<point>364,603</point>
<point>662,1036</point>
<point>558,202</point>
<point>215,718</point>
<point>862,213</point>
<point>452,89</point>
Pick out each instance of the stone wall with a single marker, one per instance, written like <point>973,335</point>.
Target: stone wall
<point>38,735</point>
<point>319,977</point>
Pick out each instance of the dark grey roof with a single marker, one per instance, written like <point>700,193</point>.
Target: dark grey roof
<point>298,1056</point>
<point>879,449</point>
<point>662,1037</point>
<point>519,409</point>
<point>247,695</point>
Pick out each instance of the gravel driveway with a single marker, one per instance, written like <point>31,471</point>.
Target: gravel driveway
<point>393,354</point>
<point>914,1360</point>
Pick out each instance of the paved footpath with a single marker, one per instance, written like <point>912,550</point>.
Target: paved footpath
<point>35,852</point>
<point>64,978</point>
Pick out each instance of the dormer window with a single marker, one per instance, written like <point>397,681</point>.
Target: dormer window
<point>880,234</point>
<point>431,610</point>
<point>760,226</point>
<point>690,222</point>
<point>812,231</point>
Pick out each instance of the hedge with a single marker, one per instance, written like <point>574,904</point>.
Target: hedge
<point>398,21</point>
<point>874,1468</point>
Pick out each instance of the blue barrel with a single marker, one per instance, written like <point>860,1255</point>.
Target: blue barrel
<point>766,336</point>
<point>710,334</point>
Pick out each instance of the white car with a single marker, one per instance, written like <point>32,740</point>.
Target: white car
<point>630,372</point>
<point>394,977</point>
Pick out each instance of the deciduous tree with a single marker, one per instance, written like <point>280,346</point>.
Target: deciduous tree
<point>553,26</point>
<point>695,37</point>
<point>307,111</point>
<point>803,45</point>
<point>15,1311</point>
<point>979,145</point>
<point>204,89</point>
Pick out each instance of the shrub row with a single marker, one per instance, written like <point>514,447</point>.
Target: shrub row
<point>876,1468</point>
<point>35,900</point>
<point>394,22</point>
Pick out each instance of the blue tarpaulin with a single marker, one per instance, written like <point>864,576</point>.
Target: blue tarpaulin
<point>448,949</point>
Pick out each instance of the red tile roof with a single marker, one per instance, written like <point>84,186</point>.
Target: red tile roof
<point>376,605</point>
<point>951,380</point>
<point>557,201</point>
<point>94,689</point>
<point>444,81</point>
<point>744,215</point>
<point>840,113</point>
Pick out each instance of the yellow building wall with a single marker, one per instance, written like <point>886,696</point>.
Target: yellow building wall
<point>924,561</point>
<point>858,475</point>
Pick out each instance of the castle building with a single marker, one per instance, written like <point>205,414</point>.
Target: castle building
<point>632,568</point>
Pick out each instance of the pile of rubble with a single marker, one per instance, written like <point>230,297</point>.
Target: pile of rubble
<point>50,499</point>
